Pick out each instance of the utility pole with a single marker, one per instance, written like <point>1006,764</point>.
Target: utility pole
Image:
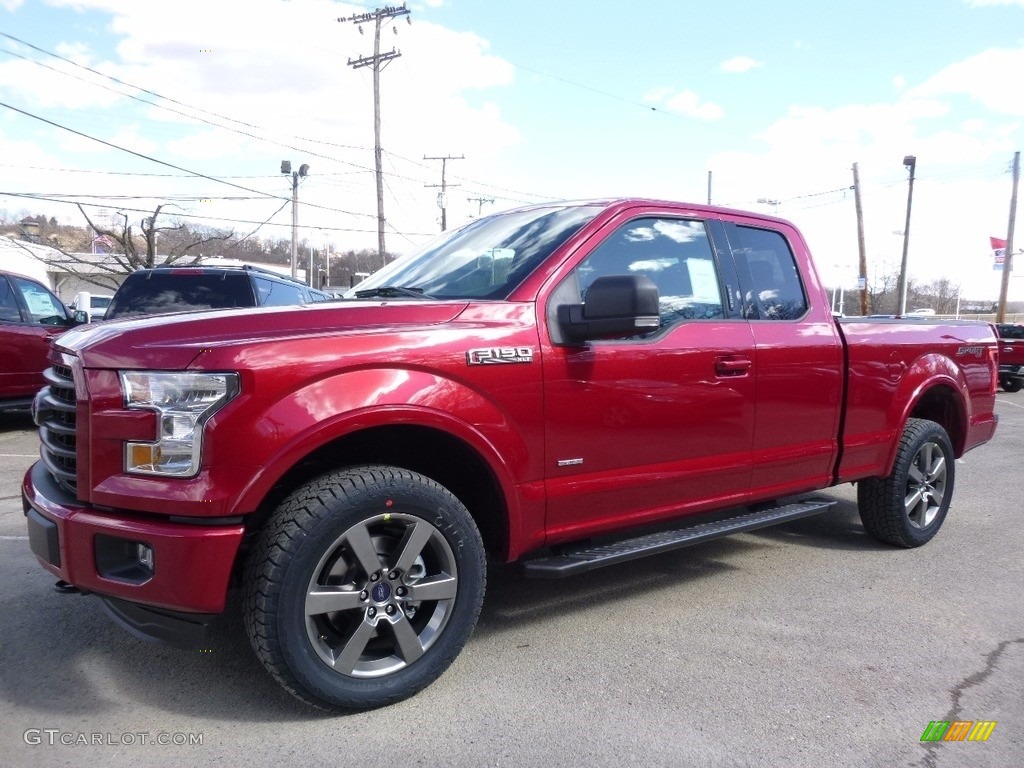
<point>1004,285</point>
<point>480,203</point>
<point>442,201</point>
<point>863,263</point>
<point>376,60</point>
<point>910,163</point>
<point>286,168</point>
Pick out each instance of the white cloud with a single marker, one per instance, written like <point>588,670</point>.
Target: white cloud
<point>657,95</point>
<point>10,5</point>
<point>281,70</point>
<point>983,78</point>
<point>130,138</point>
<point>740,64</point>
<point>684,102</point>
<point>979,3</point>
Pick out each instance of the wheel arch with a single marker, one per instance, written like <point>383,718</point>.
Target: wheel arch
<point>483,486</point>
<point>933,388</point>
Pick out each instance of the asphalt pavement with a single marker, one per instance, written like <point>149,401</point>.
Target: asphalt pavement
<point>807,644</point>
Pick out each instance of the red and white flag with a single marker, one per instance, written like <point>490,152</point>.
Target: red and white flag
<point>998,252</point>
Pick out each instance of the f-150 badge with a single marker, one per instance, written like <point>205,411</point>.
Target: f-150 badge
<point>499,355</point>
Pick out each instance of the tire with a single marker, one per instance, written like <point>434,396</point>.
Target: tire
<point>363,587</point>
<point>907,508</point>
<point>1012,385</point>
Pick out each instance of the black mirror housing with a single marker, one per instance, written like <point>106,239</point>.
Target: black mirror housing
<point>615,305</point>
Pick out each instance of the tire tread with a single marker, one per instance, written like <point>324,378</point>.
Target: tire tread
<point>298,515</point>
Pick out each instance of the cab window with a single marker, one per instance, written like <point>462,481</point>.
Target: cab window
<point>674,253</point>
<point>776,291</point>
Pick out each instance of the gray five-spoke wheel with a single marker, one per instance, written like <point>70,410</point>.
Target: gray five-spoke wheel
<point>363,586</point>
<point>926,485</point>
<point>381,595</point>
<point>907,507</point>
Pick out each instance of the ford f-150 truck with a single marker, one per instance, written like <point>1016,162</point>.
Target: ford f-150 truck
<point>568,385</point>
<point>1011,356</point>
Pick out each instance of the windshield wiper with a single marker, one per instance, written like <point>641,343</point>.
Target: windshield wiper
<point>391,291</point>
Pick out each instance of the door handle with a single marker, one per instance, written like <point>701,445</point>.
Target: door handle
<point>732,366</point>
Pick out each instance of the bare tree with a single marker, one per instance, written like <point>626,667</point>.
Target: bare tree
<point>940,295</point>
<point>131,251</point>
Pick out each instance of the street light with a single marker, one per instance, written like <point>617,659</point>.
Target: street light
<point>910,163</point>
<point>286,168</point>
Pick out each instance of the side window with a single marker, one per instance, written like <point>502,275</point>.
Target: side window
<point>45,308</point>
<point>777,292</point>
<point>9,311</point>
<point>675,253</point>
<point>271,293</point>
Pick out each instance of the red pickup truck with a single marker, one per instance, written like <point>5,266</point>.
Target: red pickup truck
<point>1011,356</point>
<point>566,385</point>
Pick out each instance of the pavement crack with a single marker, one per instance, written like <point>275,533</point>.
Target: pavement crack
<point>957,691</point>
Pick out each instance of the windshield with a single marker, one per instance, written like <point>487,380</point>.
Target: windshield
<point>485,259</point>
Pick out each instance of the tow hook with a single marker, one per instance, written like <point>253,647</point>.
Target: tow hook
<point>66,589</point>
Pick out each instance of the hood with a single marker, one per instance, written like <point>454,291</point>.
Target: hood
<point>171,342</point>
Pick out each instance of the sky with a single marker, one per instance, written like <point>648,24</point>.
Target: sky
<point>123,105</point>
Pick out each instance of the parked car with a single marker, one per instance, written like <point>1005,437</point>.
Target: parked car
<point>162,290</point>
<point>30,316</point>
<point>94,304</point>
<point>1011,356</point>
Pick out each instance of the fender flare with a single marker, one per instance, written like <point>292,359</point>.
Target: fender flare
<point>335,407</point>
<point>924,375</point>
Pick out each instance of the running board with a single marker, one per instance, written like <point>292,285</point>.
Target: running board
<point>583,557</point>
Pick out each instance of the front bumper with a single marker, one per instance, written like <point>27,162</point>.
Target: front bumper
<point>190,564</point>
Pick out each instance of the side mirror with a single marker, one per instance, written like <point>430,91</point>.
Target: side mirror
<point>615,305</point>
<point>82,317</point>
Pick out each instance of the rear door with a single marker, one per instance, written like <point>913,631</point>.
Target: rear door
<point>650,427</point>
<point>798,360</point>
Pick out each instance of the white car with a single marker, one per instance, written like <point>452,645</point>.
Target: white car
<point>95,304</point>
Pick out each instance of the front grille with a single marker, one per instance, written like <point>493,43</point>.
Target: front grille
<point>55,415</point>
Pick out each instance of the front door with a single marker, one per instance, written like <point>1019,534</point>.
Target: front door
<point>655,426</point>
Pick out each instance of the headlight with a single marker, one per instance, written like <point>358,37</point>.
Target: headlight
<point>183,402</point>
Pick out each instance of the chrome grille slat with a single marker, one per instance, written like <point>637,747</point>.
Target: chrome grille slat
<point>55,416</point>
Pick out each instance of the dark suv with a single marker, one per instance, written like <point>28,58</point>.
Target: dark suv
<point>162,290</point>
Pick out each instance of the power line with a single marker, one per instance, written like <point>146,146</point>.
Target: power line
<point>30,196</point>
<point>171,165</point>
<point>133,152</point>
<point>267,139</point>
<point>174,101</point>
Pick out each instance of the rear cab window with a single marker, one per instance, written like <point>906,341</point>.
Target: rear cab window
<point>776,290</point>
<point>160,292</point>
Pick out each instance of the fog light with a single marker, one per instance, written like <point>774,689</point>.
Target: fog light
<point>123,559</point>
<point>146,557</point>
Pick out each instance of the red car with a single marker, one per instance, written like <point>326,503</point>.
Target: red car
<point>30,316</point>
<point>1011,356</point>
